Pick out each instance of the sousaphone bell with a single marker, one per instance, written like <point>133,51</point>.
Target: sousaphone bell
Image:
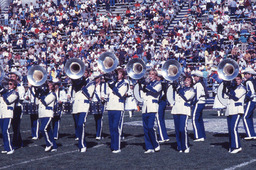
<point>37,75</point>
<point>74,68</point>
<point>228,69</point>
<point>108,62</point>
<point>136,69</point>
<point>171,71</point>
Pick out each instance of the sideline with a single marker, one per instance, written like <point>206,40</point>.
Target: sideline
<point>241,165</point>
<point>51,156</point>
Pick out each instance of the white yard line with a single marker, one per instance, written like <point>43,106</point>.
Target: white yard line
<point>241,165</point>
<point>51,156</point>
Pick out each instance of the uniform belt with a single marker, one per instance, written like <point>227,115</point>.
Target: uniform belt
<point>86,101</point>
<point>238,104</point>
<point>187,104</point>
<point>48,108</point>
<point>154,101</point>
<point>9,108</point>
<point>121,100</point>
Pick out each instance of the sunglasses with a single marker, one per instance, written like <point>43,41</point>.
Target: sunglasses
<point>11,84</point>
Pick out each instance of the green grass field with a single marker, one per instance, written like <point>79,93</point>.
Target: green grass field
<point>211,154</point>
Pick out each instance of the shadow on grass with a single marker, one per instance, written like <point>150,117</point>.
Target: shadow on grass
<point>222,144</point>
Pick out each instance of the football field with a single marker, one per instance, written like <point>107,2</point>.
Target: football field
<point>210,154</point>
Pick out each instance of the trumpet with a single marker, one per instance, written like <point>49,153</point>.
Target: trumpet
<point>37,75</point>
<point>108,62</point>
<point>136,68</point>
<point>74,68</point>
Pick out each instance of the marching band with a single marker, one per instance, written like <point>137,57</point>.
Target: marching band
<point>107,89</point>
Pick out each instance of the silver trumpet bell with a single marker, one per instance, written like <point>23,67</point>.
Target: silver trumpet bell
<point>74,68</point>
<point>2,74</point>
<point>136,68</point>
<point>171,70</point>
<point>108,62</point>
<point>228,69</point>
<point>37,75</point>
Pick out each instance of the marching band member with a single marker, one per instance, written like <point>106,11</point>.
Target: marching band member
<point>199,104</point>
<point>115,108</point>
<point>61,98</point>
<point>181,111</point>
<point>130,102</point>
<point>150,95</point>
<point>17,112</point>
<point>8,100</point>
<point>163,136</point>
<point>81,93</point>
<point>33,107</point>
<point>235,109</point>
<point>250,100</point>
<point>97,103</point>
<point>47,100</point>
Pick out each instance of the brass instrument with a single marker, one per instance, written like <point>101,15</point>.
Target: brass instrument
<point>37,75</point>
<point>74,68</point>
<point>108,62</point>
<point>136,68</point>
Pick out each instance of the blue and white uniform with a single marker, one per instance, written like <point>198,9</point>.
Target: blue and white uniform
<point>45,114</point>
<point>115,107</point>
<point>163,136</point>
<point>150,95</point>
<point>97,106</point>
<point>61,98</point>
<point>249,108</point>
<point>81,93</point>
<point>33,108</point>
<point>197,111</point>
<point>8,101</point>
<point>235,108</point>
<point>17,115</point>
<point>181,111</point>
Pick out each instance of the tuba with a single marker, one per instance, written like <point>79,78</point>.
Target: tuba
<point>136,68</point>
<point>171,71</point>
<point>74,68</point>
<point>108,62</point>
<point>228,69</point>
<point>37,75</point>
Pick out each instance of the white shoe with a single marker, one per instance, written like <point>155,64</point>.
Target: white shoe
<point>187,150</point>
<point>98,138</point>
<point>199,140</point>
<point>236,150</point>
<point>161,141</point>
<point>116,151</point>
<point>54,150</point>
<point>180,151</point>
<point>249,138</point>
<point>76,138</point>
<point>10,152</point>
<point>83,149</point>
<point>149,151</point>
<point>48,148</point>
<point>55,138</point>
<point>4,152</point>
<point>157,149</point>
<point>34,138</point>
<point>167,140</point>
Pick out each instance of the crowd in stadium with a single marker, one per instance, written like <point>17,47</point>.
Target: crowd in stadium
<point>48,33</point>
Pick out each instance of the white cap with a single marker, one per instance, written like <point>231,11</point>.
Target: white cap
<point>248,70</point>
<point>197,73</point>
<point>14,71</point>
